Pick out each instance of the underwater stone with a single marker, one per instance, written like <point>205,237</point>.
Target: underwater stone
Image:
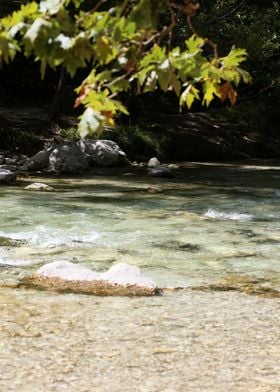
<point>161,171</point>
<point>155,189</point>
<point>10,242</point>
<point>121,280</point>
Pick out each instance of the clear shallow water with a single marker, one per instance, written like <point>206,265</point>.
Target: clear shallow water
<point>212,222</point>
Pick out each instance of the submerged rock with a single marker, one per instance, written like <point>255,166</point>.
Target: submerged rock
<point>121,279</point>
<point>161,171</point>
<point>155,189</point>
<point>39,186</point>
<point>7,176</point>
<point>10,242</point>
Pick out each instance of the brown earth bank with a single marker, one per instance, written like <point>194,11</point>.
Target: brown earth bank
<point>173,137</point>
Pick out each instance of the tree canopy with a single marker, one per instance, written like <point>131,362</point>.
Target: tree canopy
<point>124,45</point>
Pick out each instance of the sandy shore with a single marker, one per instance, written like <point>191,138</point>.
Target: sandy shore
<point>184,341</point>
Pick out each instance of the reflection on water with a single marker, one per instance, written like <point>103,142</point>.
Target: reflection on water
<point>211,222</point>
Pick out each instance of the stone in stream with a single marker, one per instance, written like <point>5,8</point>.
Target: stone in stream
<point>121,280</point>
<point>7,176</point>
<point>153,162</point>
<point>39,186</point>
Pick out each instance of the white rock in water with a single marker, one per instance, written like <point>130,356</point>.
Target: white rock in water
<point>39,186</point>
<point>121,279</point>
<point>125,274</point>
<point>68,271</point>
<point>153,162</point>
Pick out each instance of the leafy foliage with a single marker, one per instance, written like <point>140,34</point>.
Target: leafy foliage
<point>126,47</point>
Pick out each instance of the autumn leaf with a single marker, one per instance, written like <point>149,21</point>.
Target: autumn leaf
<point>228,92</point>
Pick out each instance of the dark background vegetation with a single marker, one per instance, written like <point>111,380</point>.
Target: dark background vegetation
<point>250,24</point>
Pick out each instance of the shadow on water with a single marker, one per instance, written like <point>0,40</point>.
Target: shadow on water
<point>195,180</point>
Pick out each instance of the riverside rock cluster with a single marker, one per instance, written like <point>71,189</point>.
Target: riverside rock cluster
<point>9,164</point>
<point>72,157</point>
<point>67,157</point>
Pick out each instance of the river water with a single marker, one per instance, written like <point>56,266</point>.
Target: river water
<point>214,225</point>
<point>210,223</point>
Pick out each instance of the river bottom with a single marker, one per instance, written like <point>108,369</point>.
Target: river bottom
<point>181,341</point>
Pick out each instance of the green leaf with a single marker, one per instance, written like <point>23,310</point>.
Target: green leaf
<point>91,122</point>
<point>36,27</point>
<point>189,95</point>
<point>246,77</point>
<point>8,48</point>
<point>194,44</point>
<point>210,89</point>
<point>157,55</point>
<point>104,49</point>
<point>151,82</point>
<point>234,58</point>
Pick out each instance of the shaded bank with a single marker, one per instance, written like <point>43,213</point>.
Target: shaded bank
<point>189,136</point>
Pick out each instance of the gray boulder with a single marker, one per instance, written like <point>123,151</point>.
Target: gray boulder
<point>121,279</point>
<point>102,152</point>
<point>39,161</point>
<point>7,177</point>
<point>67,158</point>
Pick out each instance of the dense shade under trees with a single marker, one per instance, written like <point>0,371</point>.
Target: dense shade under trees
<point>124,45</point>
<point>251,24</point>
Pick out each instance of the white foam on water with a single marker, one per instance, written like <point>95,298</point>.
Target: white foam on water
<point>236,216</point>
<point>48,237</point>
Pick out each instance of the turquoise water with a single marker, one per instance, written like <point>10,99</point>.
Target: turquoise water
<point>211,222</point>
